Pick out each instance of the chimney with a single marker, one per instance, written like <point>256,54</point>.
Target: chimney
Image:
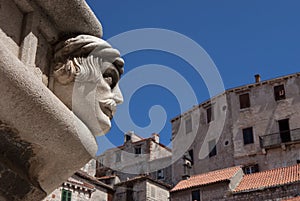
<point>155,137</point>
<point>257,78</point>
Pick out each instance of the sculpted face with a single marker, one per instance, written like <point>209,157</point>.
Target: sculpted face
<point>87,74</point>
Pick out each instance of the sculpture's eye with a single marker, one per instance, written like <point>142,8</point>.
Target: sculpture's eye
<point>111,76</point>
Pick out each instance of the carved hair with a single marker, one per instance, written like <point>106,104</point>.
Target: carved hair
<point>81,58</point>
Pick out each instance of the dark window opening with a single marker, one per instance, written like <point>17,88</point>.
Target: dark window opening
<point>284,130</point>
<point>210,114</point>
<point>160,174</point>
<point>244,101</point>
<point>188,124</point>
<point>196,195</point>
<point>66,195</point>
<point>212,148</point>
<point>191,154</point>
<point>129,193</point>
<point>248,135</point>
<point>251,169</point>
<point>279,92</point>
<point>127,138</point>
<point>138,151</point>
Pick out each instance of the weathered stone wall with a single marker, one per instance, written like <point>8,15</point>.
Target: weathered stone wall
<point>220,192</point>
<point>262,115</point>
<point>209,192</point>
<point>136,191</point>
<point>271,194</point>
<point>157,193</point>
<point>124,163</point>
<point>41,124</point>
<point>202,132</point>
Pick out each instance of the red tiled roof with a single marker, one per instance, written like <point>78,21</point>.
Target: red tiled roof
<point>269,178</point>
<point>207,178</point>
<point>293,199</point>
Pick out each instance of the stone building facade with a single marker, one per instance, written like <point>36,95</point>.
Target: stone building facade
<point>137,156</point>
<point>231,184</point>
<point>83,186</point>
<point>255,126</point>
<point>142,188</point>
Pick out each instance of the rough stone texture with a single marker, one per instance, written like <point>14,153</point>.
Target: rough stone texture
<point>11,27</point>
<point>263,116</point>
<point>71,16</point>
<point>197,140</point>
<point>209,192</point>
<point>124,163</point>
<point>48,143</point>
<point>220,192</point>
<point>142,190</point>
<point>81,193</point>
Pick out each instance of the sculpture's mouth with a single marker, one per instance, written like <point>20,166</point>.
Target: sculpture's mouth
<point>108,108</point>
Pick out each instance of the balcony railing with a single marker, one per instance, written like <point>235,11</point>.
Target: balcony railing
<point>283,137</point>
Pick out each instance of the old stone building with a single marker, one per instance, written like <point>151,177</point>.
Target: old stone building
<point>137,156</point>
<point>83,186</point>
<point>255,126</point>
<point>142,188</point>
<point>231,184</point>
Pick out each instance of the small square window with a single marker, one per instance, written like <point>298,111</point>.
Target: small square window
<point>138,151</point>
<point>210,114</point>
<point>212,148</point>
<point>279,92</point>
<point>188,124</point>
<point>251,169</point>
<point>160,174</point>
<point>244,101</point>
<point>127,138</point>
<point>248,135</point>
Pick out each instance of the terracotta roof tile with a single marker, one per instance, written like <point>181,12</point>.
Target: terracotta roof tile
<point>207,178</point>
<point>269,178</point>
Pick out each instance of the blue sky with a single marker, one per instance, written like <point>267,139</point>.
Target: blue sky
<point>243,38</point>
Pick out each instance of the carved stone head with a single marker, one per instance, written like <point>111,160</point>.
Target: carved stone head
<point>87,71</point>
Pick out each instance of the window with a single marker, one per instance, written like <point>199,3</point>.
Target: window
<point>210,114</point>
<point>279,92</point>
<point>101,162</point>
<point>244,101</point>
<point>196,195</point>
<point>66,195</point>
<point>137,151</point>
<point>118,156</point>
<point>251,169</point>
<point>191,154</point>
<point>212,148</point>
<point>160,174</point>
<point>284,130</point>
<point>127,138</point>
<point>188,124</point>
<point>248,135</point>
